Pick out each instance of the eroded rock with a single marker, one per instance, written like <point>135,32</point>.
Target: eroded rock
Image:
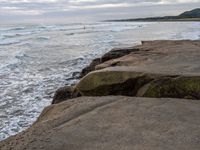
<point>117,53</point>
<point>112,82</point>
<point>113,54</point>
<point>124,81</point>
<point>113,122</point>
<point>91,67</point>
<point>154,69</point>
<point>63,94</point>
<point>187,87</point>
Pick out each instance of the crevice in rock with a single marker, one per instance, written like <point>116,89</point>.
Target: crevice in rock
<point>151,85</point>
<point>172,87</point>
<point>113,54</point>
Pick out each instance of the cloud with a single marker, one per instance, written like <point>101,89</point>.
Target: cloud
<point>29,1</point>
<point>84,8</point>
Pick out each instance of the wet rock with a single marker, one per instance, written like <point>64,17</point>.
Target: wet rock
<point>112,82</point>
<point>63,94</point>
<point>187,87</point>
<point>117,53</point>
<point>75,75</point>
<point>124,81</point>
<point>91,67</point>
<point>113,54</point>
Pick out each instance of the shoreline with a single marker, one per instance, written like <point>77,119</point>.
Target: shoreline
<point>32,94</point>
<point>155,20</point>
<point>162,75</point>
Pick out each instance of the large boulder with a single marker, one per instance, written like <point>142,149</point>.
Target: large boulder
<point>167,57</point>
<point>187,87</point>
<point>62,94</point>
<point>126,81</point>
<point>91,67</point>
<point>154,69</point>
<point>117,53</point>
<point>113,81</point>
<point>113,54</point>
<point>113,123</point>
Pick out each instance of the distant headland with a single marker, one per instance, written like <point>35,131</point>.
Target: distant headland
<point>193,15</point>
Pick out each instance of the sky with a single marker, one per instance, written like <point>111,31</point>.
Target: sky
<point>68,11</point>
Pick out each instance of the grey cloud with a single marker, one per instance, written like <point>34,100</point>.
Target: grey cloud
<point>16,10</point>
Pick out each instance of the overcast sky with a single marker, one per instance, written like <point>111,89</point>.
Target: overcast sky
<point>64,11</point>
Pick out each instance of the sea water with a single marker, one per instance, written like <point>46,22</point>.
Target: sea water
<point>35,60</point>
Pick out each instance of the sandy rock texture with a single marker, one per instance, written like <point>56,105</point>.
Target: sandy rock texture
<point>113,123</point>
<point>153,69</point>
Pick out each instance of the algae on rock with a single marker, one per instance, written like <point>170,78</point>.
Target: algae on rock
<point>130,83</point>
<point>180,87</point>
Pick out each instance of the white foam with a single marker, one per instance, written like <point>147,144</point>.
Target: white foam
<point>9,41</point>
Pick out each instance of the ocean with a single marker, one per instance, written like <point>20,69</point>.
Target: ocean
<point>35,60</point>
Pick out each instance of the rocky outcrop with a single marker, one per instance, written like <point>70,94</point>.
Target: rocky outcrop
<point>124,81</point>
<point>153,75</point>
<point>110,123</point>
<point>117,53</point>
<point>166,57</point>
<point>91,67</point>
<point>155,69</point>
<point>112,81</point>
<point>113,54</point>
<point>187,87</point>
<point>62,94</point>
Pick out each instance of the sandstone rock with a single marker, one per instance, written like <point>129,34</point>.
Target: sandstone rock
<point>113,123</point>
<point>113,54</point>
<point>124,81</point>
<point>157,69</point>
<point>187,87</point>
<point>91,67</point>
<point>167,57</point>
<point>112,81</point>
<point>62,94</point>
<point>117,53</point>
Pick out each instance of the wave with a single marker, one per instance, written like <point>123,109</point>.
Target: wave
<point>43,38</point>
<point>9,42</point>
<point>13,35</point>
<point>69,33</point>
<point>72,62</point>
<point>114,29</point>
<point>18,28</point>
<point>83,32</point>
<point>12,29</point>
<point>14,32</point>
<point>21,56</point>
<point>16,61</point>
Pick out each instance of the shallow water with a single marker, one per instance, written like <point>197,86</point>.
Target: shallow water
<point>35,60</point>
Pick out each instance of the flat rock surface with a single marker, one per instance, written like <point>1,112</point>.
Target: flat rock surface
<point>113,123</point>
<point>167,57</point>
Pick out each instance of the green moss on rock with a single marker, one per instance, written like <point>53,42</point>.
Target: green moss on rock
<point>102,83</point>
<point>129,83</point>
<point>180,87</point>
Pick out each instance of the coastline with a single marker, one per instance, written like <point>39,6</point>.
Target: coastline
<point>156,20</point>
<point>30,87</point>
<point>166,73</point>
<point>193,15</point>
